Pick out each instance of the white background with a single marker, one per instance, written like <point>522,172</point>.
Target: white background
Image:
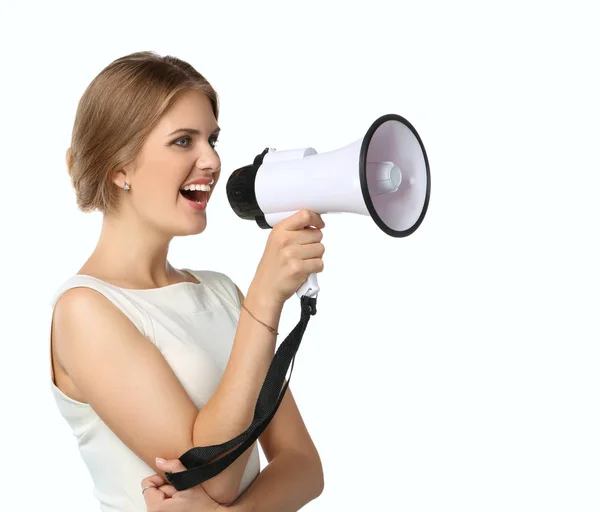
<point>456,369</point>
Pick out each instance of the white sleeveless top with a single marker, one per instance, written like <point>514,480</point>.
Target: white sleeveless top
<point>194,326</point>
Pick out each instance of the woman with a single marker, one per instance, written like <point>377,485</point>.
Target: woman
<point>149,360</point>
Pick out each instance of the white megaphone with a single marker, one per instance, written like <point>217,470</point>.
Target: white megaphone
<point>385,175</point>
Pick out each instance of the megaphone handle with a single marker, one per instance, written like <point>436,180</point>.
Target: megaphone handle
<point>310,287</point>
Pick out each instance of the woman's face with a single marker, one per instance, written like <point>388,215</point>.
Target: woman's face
<point>179,150</point>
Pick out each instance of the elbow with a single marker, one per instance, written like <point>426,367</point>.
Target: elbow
<point>319,479</point>
<point>315,475</point>
<point>223,493</point>
<point>229,496</point>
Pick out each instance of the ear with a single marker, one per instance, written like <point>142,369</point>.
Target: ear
<point>69,158</point>
<point>119,178</point>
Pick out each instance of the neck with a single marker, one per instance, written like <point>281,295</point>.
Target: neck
<point>130,250</point>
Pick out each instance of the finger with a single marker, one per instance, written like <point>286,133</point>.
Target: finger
<point>308,236</point>
<point>153,497</point>
<point>303,218</point>
<point>170,466</point>
<point>168,489</point>
<point>314,266</point>
<point>307,251</point>
<point>155,480</point>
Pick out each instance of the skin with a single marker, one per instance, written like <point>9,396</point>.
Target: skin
<point>153,212</point>
<point>163,497</point>
<point>132,252</point>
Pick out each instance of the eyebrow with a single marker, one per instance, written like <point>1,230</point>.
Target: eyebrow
<point>193,131</point>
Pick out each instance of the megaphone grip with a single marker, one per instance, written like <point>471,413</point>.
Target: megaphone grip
<point>199,460</point>
<point>310,288</point>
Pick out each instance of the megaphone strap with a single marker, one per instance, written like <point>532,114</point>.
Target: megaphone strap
<point>199,460</point>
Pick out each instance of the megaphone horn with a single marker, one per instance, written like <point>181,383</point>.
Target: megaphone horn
<point>384,174</point>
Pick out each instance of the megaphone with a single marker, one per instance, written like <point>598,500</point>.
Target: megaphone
<point>384,175</point>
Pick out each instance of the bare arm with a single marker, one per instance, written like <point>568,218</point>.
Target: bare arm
<point>125,378</point>
<point>236,395</point>
<point>294,476</point>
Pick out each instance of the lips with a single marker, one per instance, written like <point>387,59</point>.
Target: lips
<point>197,192</point>
<point>194,195</point>
<point>199,200</point>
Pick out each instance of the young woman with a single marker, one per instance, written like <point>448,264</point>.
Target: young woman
<point>149,360</point>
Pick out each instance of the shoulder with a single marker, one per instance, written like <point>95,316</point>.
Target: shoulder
<point>85,305</point>
<point>85,298</point>
<point>85,321</point>
<point>83,302</point>
<point>78,299</point>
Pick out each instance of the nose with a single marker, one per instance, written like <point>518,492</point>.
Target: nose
<point>208,161</point>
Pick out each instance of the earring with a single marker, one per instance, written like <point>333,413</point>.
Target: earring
<point>126,187</point>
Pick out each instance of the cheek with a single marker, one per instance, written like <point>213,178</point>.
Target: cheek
<point>168,175</point>
<point>159,191</point>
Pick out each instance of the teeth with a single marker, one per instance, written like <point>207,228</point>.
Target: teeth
<point>204,188</point>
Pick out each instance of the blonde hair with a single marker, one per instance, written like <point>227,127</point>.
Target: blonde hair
<point>116,113</point>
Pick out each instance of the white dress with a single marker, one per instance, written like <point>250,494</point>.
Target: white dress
<point>194,326</point>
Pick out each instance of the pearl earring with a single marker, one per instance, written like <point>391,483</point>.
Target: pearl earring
<point>126,187</point>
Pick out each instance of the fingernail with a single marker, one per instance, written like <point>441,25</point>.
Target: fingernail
<point>160,461</point>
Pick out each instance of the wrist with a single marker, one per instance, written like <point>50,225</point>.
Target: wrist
<point>262,301</point>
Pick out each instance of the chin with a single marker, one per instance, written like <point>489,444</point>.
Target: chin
<point>187,227</point>
<point>192,223</point>
<point>196,229</point>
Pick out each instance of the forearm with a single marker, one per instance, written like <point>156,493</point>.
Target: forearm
<point>230,410</point>
<point>289,482</point>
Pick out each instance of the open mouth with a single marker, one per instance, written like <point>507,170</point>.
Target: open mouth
<point>196,193</point>
<point>198,196</point>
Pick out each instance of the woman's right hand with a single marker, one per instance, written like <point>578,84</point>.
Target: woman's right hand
<point>293,252</point>
<point>161,496</point>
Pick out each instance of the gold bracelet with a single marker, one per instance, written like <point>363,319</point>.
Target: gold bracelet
<point>267,326</point>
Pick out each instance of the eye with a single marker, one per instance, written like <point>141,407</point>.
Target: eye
<point>186,141</point>
<point>213,142</point>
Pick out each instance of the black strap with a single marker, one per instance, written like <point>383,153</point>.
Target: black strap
<point>197,459</point>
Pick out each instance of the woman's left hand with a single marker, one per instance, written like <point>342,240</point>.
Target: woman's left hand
<point>163,497</point>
